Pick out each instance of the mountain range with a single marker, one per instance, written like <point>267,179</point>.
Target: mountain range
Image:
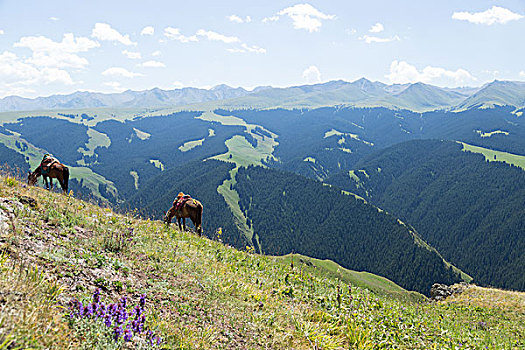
<point>360,93</point>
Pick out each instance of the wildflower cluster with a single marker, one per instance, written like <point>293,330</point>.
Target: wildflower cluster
<point>118,240</point>
<point>124,322</point>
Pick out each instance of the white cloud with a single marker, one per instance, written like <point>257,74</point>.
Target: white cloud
<point>312,74</point>
<point>246,48</point>
<point>2,32</point>
<point>152,64</point>
<point>522,74</point>
<point>132,55</point>
<point>156,53</point>
<point>120,72</point>
<point>213,36</point>
<point>237,19</point>
<point>374,39</point>
<point>491,16</point>
<point>376,28</point>
<point>402,72</point>
<point>49,53</point>
<point>175,34</point>
<point>69,43</point>
<point>17,76</point>
<point>103,31</point>
<point>305,16</point>
<point>270,19</point>
<point>54,18</point>
<point>148,30</point>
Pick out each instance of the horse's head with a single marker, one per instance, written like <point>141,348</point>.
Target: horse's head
<point>32,178</point>
<point>167,218</point>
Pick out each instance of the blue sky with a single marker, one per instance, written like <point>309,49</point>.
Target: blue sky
<point>49,47</point>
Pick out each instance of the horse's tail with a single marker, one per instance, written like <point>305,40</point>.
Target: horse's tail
<point>199,218</point>
<point>66,179</point>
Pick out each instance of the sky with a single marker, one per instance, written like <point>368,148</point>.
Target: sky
<point>58,47</point>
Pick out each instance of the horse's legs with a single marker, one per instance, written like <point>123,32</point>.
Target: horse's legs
<point>197,227</point>
<point>179,222</point>
<point>184,223</point>
<point>51,181</point>
<point>46,184</point>
<point>62,185</point>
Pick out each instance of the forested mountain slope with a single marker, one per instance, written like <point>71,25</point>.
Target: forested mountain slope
<point>471,210</point>
<point>290,213</point>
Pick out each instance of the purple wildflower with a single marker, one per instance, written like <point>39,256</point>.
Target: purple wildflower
<point>127,335</point>
<point>138,312</point>
<point>142,300</point>
<point>107,321</point>
<point>96,295</point>
<point>117,332</point>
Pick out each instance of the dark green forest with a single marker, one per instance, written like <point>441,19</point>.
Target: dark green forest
<point>12,161</point>
<point>130,153</point>
<point>291,213</point>
<point>59,137</point>
<point>472,211</point>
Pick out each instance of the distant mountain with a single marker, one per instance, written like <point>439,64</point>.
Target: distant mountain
<point>500,93</point>
<point>360,93</point>
<point>421,96</point>
<point>417,97</point>
<point>148,98</point>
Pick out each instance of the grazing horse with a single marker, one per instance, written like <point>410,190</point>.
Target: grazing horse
<point>191,208</point>
<point>55,170</point>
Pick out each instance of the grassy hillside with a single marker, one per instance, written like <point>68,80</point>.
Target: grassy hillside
<point>201,294</point>
<point>468,207</point>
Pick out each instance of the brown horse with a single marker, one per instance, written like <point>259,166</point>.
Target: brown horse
<point>191,208</point>
<point>55,170</point>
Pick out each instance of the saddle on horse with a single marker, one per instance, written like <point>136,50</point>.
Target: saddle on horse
<point>47,162</point>
<point>181,199</point>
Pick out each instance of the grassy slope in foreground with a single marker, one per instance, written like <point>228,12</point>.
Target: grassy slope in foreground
<point>377,284</point>
<point>202,294</point>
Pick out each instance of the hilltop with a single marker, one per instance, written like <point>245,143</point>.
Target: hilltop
<point>203,294</point>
